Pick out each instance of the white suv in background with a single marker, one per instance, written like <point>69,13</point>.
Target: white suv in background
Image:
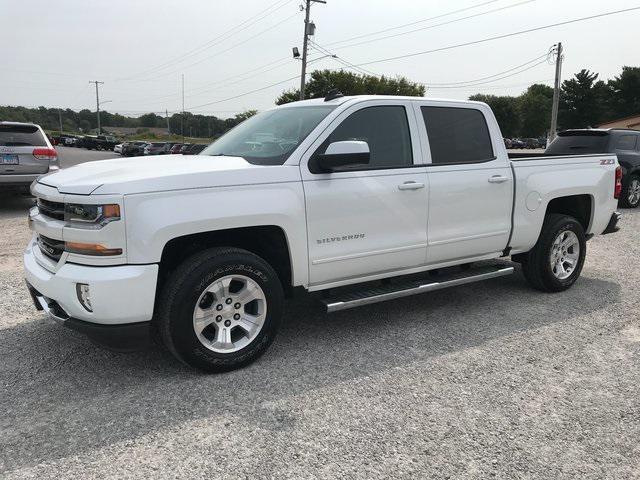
<point>25,154</point>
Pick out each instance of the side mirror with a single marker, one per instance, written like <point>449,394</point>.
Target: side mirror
<point>341,154</point>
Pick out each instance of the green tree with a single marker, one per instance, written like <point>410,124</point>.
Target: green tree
<point>534,106</point>
<point>348,83</point>
<point>580,101</point>
<point>625,93</point>
<point>150,120</point>
<point>505,109</point>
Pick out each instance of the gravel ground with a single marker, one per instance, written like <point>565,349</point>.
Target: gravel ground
<point>486,380</point>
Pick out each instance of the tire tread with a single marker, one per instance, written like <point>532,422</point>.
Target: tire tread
<point>171,291</point>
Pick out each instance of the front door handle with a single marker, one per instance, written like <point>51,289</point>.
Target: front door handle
<point>410,186</point>
<point>498,179</point>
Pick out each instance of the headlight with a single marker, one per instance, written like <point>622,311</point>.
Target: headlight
<point>90,216</point>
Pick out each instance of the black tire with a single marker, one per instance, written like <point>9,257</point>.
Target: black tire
<point>625,201</point>
<point>184,287</point>
<point>536,263</point>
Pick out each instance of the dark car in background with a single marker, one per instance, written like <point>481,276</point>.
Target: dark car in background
<point>624,143</point>
<point>176,148</point>
<point>167,148</point>
<point>155,148</point>
<point>532,143</point>
<point>194,149</point>
<point>134,149</point>
<point>98,142</point>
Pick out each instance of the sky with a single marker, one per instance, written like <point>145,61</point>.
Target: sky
<point>236,55</point>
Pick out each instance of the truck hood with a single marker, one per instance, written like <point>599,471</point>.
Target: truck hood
<point>161,173</point>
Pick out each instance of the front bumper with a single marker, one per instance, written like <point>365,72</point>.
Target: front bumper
<point>122,337</point>
<point>612,226</point>
<point>119,294</point>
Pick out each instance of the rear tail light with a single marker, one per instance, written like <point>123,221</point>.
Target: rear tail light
<point>45,153</point>
<point>618,187</point>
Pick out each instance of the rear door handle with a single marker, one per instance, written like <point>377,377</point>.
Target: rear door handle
<point>498,179</point>
<point>410,186</point>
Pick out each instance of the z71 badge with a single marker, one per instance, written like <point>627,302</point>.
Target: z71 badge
<point>607,161</point>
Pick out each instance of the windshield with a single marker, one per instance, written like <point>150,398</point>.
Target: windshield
<point>578,144</point>
<point>269,138</point>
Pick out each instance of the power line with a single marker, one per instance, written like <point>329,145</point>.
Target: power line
<point>413,23</point>
<point>216,40</point>
<point>227,49</point>
<point>245,93</point>
<point>450,47</point>
<point>343,61</point>
<point>485,82</point>
<point>497,87</point>
<point>208,86</point>
<point>436,25</point>
<point>545,56</point>
<point>498,37</point>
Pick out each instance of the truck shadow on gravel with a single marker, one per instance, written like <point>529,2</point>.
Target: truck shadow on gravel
<point>14,204</point>
<point>64,396</point>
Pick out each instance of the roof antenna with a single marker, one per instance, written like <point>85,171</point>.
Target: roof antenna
<point>333,94</point>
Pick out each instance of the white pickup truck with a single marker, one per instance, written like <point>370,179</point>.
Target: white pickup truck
<point>354,195</point>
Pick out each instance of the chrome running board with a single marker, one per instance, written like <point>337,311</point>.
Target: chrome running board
<point>392,292</point>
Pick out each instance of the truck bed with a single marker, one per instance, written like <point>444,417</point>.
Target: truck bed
<point>586,180</point>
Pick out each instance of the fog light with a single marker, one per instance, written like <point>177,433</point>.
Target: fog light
<point>82,289</point>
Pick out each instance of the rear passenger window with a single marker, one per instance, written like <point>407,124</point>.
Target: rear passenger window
<point>385,129</point>
<point>626,142</point>
<point>457,135</point>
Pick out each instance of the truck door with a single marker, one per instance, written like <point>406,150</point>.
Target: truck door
<point>471,184</point>
<point>367,219</point>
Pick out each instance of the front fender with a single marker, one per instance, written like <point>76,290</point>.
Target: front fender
<point>153,219</point>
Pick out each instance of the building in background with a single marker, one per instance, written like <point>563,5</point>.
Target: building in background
<point>632,122</point>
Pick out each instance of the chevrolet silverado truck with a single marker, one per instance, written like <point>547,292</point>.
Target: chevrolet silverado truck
<point>353,196</point>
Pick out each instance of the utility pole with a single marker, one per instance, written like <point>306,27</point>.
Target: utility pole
<point>166,114</point>
<point>60,120</point>
<point>309,29</point>
<point>97,103</point>
<point>556,93</point>
<point>182,116</point>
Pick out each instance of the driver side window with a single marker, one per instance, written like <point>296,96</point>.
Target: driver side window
<point>386,131</point>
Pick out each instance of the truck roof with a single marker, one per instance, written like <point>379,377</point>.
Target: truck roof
<point>348,98</point>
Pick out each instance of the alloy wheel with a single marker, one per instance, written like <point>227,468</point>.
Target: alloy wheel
<point>230,313</point>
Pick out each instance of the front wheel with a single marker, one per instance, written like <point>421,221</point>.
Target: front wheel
<point>630,197</point>
<point>221,309</point>
<point>556,260</point>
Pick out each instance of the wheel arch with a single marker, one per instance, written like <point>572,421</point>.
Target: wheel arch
<point>269,242</point>
<point>579,207</point>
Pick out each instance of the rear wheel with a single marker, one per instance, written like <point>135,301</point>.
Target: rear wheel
<point>630,197</point>
<point>556,260</point>
<point>221,309</point>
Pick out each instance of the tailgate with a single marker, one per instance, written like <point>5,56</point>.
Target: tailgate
<point>20,161</point>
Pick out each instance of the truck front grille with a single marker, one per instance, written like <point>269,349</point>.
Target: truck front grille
<point>50,209</point>
<point>50,248</point>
